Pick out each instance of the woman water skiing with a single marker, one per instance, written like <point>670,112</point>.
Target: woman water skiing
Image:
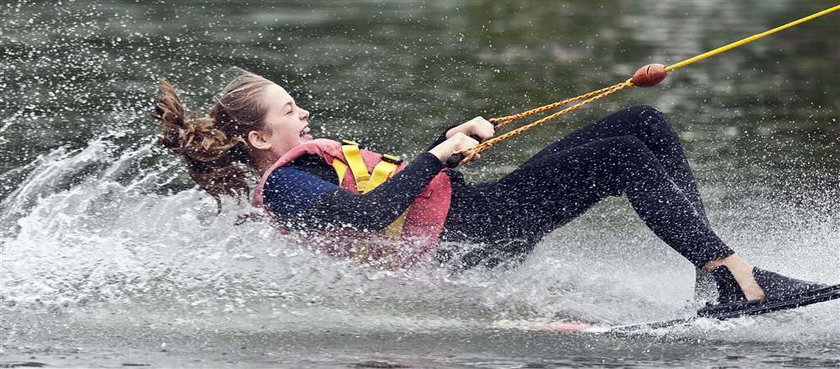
<point>323,185</point>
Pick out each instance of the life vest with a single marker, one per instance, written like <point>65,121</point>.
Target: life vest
<point>411,238</point>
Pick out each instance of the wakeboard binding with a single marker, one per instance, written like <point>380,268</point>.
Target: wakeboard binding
<point>780,293</point>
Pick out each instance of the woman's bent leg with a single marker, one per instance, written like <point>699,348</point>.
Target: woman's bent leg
<point>511,215</point>
<point>647,124</point>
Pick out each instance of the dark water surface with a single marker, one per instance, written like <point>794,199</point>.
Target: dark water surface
<point>109,256</point>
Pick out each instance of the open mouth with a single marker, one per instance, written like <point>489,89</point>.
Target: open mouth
<point>305,131</point>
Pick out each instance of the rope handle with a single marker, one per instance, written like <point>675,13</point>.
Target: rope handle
<point>458,157</point>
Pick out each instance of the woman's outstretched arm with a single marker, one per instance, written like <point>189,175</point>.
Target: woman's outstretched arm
<point>296,195</point>
<point>376,209</point>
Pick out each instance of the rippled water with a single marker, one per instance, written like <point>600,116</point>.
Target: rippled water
<point>109,256</point>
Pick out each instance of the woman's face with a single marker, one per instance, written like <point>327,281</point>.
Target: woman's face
<point>286,124</point>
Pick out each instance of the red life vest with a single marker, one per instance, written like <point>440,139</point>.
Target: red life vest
<point>409,239</point>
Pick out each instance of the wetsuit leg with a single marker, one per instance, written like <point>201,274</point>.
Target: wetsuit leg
<point>514,213</point>
<point>649,125</point>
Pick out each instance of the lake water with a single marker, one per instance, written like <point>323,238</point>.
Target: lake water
<point>109,257</point>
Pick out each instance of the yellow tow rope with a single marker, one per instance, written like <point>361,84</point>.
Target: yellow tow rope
<point>587,98</point>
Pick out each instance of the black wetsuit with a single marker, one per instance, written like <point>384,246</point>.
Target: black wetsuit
<point>633,152</point>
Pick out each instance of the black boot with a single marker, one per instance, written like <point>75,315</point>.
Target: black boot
<point>779,287</point>
<point>775,286</point>
<point>728,289</point>
<point>780,293</point>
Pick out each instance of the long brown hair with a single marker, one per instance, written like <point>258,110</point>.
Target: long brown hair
<point>215,147</point>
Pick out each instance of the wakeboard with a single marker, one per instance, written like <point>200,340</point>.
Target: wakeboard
<point>719,312</point>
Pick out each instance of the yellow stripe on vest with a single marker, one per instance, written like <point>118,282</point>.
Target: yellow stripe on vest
<point>366,182</point>
<point>357,165</point>
<point>394,230</point>
<point>340,170</point>
<point>381,173</point>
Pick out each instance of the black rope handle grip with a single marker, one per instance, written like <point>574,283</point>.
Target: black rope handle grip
<point>456,159</point>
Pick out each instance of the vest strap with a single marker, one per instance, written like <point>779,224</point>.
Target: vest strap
<point>383,170</point>
<point>340,170</point>
<point>365,181</point>
<point>357,164</point>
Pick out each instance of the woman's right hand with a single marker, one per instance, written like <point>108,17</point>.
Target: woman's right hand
<point>458,142</point>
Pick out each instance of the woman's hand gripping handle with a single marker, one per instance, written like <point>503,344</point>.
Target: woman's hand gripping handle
<point>462,138</point>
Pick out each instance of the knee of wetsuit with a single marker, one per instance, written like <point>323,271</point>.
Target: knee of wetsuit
<point>645,111</point>
<point>647,119</point>
<point>628,145</point>
<point>629,152</point>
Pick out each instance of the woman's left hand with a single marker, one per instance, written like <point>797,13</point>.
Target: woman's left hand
<point>476,127</point>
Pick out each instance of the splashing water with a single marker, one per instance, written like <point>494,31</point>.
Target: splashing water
<point>108,252</point>
<point>80,241</point>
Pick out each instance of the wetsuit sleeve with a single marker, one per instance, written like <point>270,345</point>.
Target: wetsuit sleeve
<point>440,139</point>
<point>376,209</point>
<point>289,190</point>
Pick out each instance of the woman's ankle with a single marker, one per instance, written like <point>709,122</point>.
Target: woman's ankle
<point>712,265</point>
<point>732,262</point>
<point>742,271</point>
